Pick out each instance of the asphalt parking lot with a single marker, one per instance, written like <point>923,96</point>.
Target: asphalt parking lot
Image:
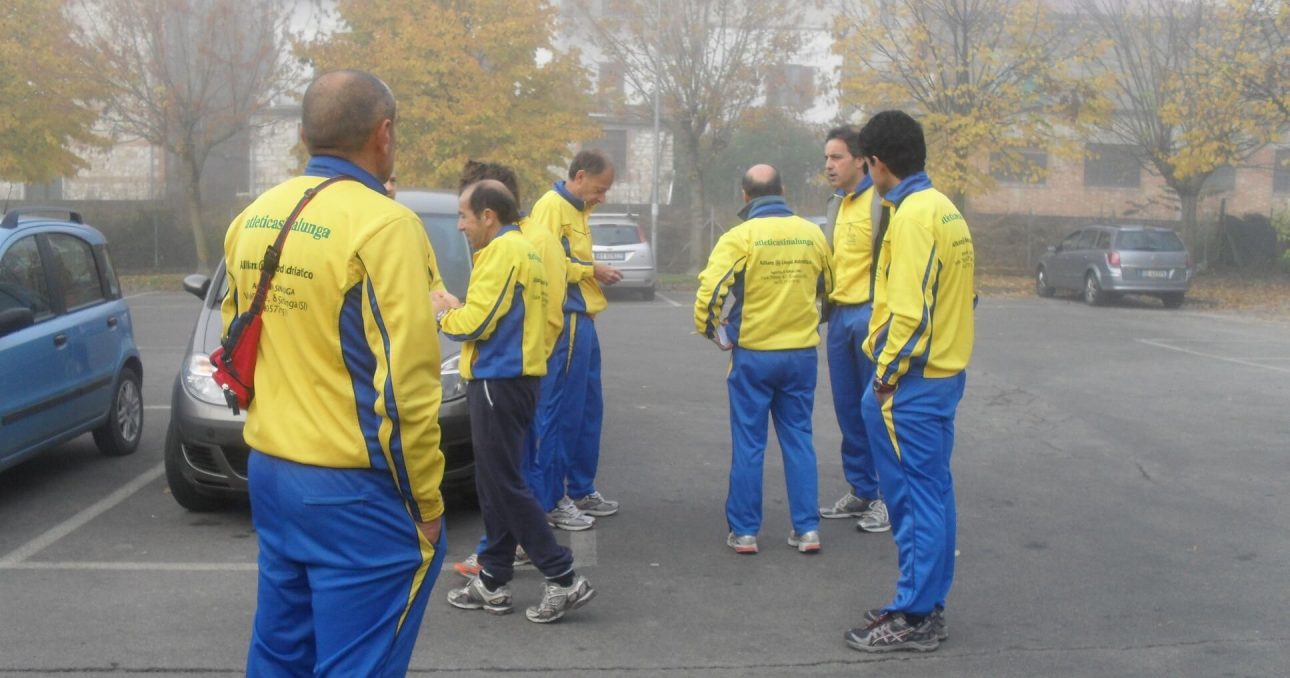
<point>1122,485</point>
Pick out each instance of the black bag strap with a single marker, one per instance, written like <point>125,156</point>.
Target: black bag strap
<point>273,253</point>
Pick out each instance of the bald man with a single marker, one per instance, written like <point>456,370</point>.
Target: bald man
<point>345,464</point>
<point>776,266</point>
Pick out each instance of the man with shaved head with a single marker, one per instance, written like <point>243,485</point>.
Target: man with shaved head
<point>345,464</point>
<point>502,328</point>
<point>766,274</point>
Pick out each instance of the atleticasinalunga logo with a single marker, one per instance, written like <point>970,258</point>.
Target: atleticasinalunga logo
<point>301,226</point>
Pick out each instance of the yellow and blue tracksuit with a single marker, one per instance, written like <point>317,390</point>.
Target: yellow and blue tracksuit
<point>775,265</point>
<point>850,370</point>
<point>920,338</point>
<point>572,405</point>
<point>503,329</point>
<point>344,428</point>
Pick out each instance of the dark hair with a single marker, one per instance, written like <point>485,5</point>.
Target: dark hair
<point>757,189</point>
<point>474,171</point>
<point>593,161</point>
<point>340,109</point>
<point>491,194</point>
<point>897,140</point>
<point>849,136</point>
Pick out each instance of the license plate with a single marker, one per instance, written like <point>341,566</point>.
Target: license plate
<point>1155,273</point>
<point>611,256</point>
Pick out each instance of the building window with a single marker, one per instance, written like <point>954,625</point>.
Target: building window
<point>791,86</point>
<point>1111,166</point>
<point>1019,166</point>
<point>614,144</point>
<point>1281,172</point>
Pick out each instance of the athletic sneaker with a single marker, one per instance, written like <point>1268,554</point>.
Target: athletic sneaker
<point>939,626</point>
<point>558,600</point>
<point>874,518</point>
<point>595,504</point>
<point>849,506</point>
<point>807,542</point>
<point>469,567</point>
<point>892,632</point>
<point>566,516</point>
<point>473,596</point>
<point>742,544</point>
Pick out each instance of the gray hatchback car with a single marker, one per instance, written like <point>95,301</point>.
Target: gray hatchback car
<point>1104,262</point>
<point>205,455</point>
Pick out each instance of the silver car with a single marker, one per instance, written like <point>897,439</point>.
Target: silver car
<point>205,455</point>
<point>617,240</point>
<point>1105,262</point>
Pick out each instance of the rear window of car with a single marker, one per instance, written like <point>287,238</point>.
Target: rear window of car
<point>1149,241</point>
<point>610,235</point>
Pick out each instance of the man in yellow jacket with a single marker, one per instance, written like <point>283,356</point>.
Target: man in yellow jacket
<point>920,339</point>
<point>775,265</point>
<point>502,326</point>
<point>345,465</point>
<point>569,421</point>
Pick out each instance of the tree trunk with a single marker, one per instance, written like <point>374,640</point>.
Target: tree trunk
<point>699,245</point>
<point>1190,228</point>
<point>193,203</point>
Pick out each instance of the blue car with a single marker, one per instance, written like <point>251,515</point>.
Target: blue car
<point>68,362</point>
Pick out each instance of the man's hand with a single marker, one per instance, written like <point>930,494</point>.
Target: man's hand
<point>431,529</point>
<point>443,301</point>
<point>607,275</point>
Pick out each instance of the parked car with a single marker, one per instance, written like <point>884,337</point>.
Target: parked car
<point>68,361</point>
<point>205,455</point>
<point>618,240</point>
<point>1104,262</point>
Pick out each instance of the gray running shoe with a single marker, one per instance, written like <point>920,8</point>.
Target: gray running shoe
<point>473,596</point>
<point>746,543</point>
<point>939,626</point>
<point>566,516</point>
<point>595,504</point>
<point>874,518</point>
<point>893,633</point>
<point>849,506</point>
<point>558,600</point>
<point>807,542</point>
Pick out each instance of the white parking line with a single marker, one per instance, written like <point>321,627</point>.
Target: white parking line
<point>79,520</point>
<point>136,296</point>
<point>667,299</point>
<point>1248,363</point>
<point>156,407</point>
<point>133,567</point>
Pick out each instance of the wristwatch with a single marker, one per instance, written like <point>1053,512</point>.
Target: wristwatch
<point>881,388</point>
<point>438,317</point>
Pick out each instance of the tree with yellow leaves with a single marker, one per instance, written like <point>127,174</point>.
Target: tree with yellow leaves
<point>473,79</point>
<point>46,93</point>
<point>983,76</point>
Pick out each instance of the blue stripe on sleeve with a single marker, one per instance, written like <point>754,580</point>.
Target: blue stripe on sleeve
<point>908,348</point>
<point>474,334</point>
<point>392,409</point>
<point>360,362</point>
<point>710,326</point>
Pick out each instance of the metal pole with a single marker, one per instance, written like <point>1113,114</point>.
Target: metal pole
<point>658,145</point>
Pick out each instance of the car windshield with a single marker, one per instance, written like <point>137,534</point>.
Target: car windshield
<point>1149,241</point>
<point>610,235</point>
<point>450,251</point>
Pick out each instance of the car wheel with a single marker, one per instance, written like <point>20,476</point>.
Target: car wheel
<point>119,435</point>
<point>1172,300</point>
<point>181,489</point>
<point>647,294</point>
<point>1093,295</point>
<point>1042,288</point>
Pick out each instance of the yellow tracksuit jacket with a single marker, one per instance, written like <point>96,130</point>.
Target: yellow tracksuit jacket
<point>563,216</point>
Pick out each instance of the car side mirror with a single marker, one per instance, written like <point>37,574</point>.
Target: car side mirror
<point>1053,249</point>
<point>197,285</point>
<point>14,319</point>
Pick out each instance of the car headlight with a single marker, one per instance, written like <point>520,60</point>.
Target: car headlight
<point>454,386</point>
<point>198,381</point>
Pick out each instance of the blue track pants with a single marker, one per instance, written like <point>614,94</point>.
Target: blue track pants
<point>569,427</point>
<point>912,448</point>
<point>780,384</point>
<point>344,573</point>
<point>850,376</point>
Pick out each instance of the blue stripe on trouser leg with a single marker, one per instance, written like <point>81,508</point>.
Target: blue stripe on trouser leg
<point>344,574</point>
<point>912,451</point>
<point>850,375</point>
<point>761,383</point>
<point>584,447</point>
<point>545,461</point>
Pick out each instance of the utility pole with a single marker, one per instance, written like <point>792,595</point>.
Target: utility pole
<point>658,145</point>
